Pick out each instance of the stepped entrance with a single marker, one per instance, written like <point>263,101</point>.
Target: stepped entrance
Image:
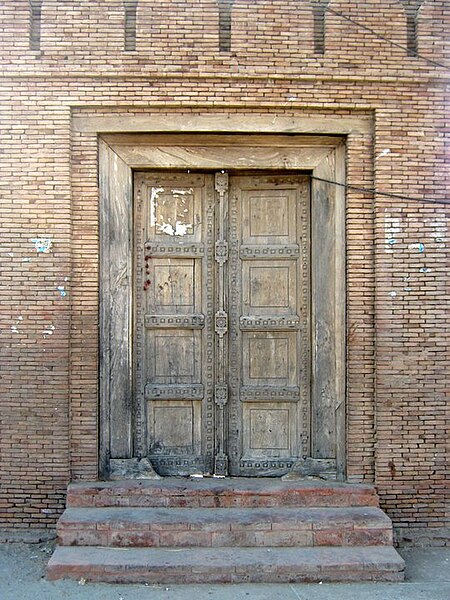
<point>222,352</point>
<point>176,530</point>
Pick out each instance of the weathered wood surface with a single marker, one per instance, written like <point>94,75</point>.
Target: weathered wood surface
<point>328,321</point>
<point>319,468</point>
<point>269,362</point>
<point>222,123</point>
<point>221,157</point>
<point>328,317</point>
<point>131,468</point>
<point>340,314</point>
<point>323,295</point>
<point>221,152</point>
<point>115,311</point>
<point>173,319</point>
<point>190,141</point>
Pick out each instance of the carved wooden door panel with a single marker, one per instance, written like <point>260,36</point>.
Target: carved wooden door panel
<point>269,408</point>
<point>221,313</point>
<point>174,337</point>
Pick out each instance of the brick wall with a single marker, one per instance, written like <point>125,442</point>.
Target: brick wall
<point>396,257</point>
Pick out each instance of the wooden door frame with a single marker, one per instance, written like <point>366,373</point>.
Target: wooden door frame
<point>241,147</point>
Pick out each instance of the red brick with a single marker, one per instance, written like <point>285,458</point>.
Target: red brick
<point>397,379</point>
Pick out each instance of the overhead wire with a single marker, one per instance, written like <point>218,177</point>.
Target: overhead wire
<point>369,190</point>
<point>382,37</point>
<point>374,191</point>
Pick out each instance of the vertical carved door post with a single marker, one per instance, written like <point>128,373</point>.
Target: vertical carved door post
<point>221,325</point>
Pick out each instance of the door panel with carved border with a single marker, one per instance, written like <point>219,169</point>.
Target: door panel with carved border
<point>269,323</point>
<point>174,336</point>
<point>221,322</point>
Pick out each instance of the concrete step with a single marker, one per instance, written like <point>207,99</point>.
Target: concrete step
<point>219,493</point>
<point>213,527</point>
<point>226,565</point>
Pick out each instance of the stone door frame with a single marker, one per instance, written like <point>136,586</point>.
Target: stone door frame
<point>237,142</point>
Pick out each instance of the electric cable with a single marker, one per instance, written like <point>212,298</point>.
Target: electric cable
<point>381,37</point>
<point>379,193</point>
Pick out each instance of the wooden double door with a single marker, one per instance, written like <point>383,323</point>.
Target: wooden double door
<point>221,344</point>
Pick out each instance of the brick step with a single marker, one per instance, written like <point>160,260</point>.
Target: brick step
<point>226,565</point>
<point>216,493</point>
<point>213,527</point>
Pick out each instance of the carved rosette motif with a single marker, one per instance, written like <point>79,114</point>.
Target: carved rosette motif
<point>221,183</point>
<point>221,394</point>
<point>221,251</point>
<point>221,323</point>
<point>221,464</point>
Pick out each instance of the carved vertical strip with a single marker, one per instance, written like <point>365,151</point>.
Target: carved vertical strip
<point>208,260</point>
<point>305,312</point>
<point>140,250</point>
<point>35,24</point>
<point>234,271</point>
<point>225,7</point>
<point>221,325</point>
<point>130,7</point>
